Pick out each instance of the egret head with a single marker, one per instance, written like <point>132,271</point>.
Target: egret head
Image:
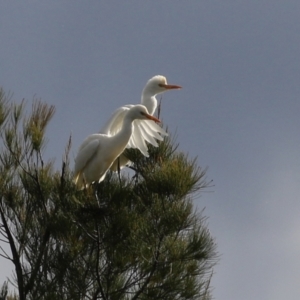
<point>140,112</point>
<point>158,84</point>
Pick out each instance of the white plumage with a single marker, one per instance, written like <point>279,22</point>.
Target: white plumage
<point>143,130</point>
<point>99,151</point>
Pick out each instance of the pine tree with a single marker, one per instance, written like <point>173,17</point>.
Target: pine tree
<point>135,236</point>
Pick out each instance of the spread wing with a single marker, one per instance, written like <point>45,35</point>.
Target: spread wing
<point>114,124</point>
<point>143,130</point>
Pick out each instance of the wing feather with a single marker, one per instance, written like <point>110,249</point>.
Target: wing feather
<point>138,139</point>
<point>148,137</point>
<point>114,124</point>
<point>86,151</point>
<point>154,130</point>
<point>143,130</point>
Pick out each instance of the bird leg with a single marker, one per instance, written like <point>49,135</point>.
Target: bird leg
<point>136,175</point>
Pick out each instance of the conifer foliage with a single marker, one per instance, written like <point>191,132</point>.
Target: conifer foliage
<point>133,236</point>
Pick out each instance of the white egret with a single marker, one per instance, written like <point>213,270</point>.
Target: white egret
<point>98,151</point>
<point>143,130</point>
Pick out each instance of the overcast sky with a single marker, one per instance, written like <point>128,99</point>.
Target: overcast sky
<point>238,111</point>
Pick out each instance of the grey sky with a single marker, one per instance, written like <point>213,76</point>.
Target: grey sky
<point>238,111</point>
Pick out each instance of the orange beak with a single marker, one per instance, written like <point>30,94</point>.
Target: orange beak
<point>170,86</point>
<point>152,118</point>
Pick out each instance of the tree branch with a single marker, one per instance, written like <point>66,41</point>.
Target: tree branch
<point>100,289</point>
<point>153,269</point>
<point>16,258</point>
<point>32,278</point>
